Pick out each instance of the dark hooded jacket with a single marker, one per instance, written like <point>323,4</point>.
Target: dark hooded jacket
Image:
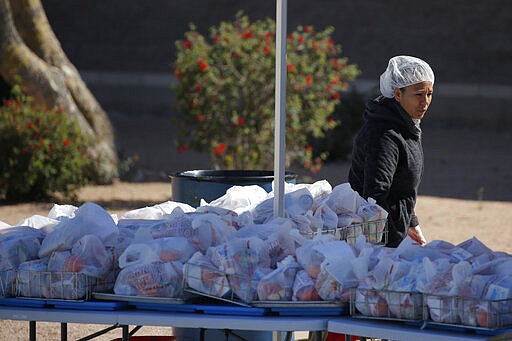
<point>387,163</point>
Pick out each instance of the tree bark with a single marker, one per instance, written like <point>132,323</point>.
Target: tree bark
<point>29,49</point>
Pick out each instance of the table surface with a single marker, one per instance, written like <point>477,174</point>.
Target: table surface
<point>397,331</point>
<point>166,319</point>
<point>347,325</point>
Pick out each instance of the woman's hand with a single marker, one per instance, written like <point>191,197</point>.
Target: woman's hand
<point>415,233</point>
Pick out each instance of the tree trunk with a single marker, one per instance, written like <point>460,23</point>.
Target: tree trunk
<point>29,49</point>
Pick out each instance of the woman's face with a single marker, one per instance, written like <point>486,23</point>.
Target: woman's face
<point>415,98</point>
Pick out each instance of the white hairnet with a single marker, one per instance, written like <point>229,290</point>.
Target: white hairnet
<point>403,71</point>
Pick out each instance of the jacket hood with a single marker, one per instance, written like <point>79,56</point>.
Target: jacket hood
<point>388,109</point>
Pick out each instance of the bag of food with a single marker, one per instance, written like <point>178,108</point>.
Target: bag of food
<point>495,309</point>
<point>278,284</point>
<point>327,217</point>
<point>89,218</point>
<point>241,256</point>
<point>17,245</point>
<point>241,198</point>
<point>138,254</point>
<point>335,280</point>
<point>154,279</point>
<point>304,287</point>
<point>32,281</point>
<point>159,211</point>
<point>209,230</point>
<point>98,260</point>
<point>369,302</point>
<point>296,202</point>
<point>202,275</point>
<point>343,199</point>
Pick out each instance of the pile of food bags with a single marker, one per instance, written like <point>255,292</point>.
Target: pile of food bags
<point>234,248</point>
<point>466,284</point>
<point>60,256</point>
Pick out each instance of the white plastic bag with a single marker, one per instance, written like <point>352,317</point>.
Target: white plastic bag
<point>241,256</point>
<point>209,230</point>
<point>344,199</point>
<point>304,287</point>
<point>89,218</point>
<point>278,284</point>
<point>97,259</point>
<point>336,279</point>
<point>39,222</point>
<point>296,203</point>
<point>241,198</point>
<point>154,279</point>
<point>62,212</point>
<point>202,275</point>
<point>138,254</point>
<point>327,217</point>
<point>32,281</point>
<point>159,211</point>
<point>17,245</point>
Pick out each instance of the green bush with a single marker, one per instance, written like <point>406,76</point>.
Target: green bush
<point>41,151</point>
<point>225,92</point>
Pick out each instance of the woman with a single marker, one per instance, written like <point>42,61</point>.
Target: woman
<point>387,155</point>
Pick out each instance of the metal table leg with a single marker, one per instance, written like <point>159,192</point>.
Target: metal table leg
<point>32,330</point>
<point>63,331</point>
<point>126,333</point>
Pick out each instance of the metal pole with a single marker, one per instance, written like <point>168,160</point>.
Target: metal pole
<point>280,109</point>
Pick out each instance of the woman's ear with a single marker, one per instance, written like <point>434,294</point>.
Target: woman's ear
<point>397,93</point>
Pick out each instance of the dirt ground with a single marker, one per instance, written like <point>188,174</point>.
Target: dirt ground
<point>466,192</point>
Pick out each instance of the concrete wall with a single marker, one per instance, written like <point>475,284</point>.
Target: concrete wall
<point>124,48</point>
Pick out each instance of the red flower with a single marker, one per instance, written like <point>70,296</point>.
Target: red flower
<point>182,148</point>
<point>300,39</point>
<point>291,67</point>
<point>202,65</point>
<point>66,143</point>
<point>187,44</point>
<point>330,120</point>
<point>215,38</point>
<point>308,28</point>
<point>290,37</point>
<point>200,118</point>
<point>177,73</point>
<point>241,121</point>
<point>329,88</point>
<point>309,80</point>
<point>31,125</point>
<point>330,42</point>
<point>220,149</point>
<point>247,35</point>
<point>309,149</point>
<point>198,88</point>
<point>335,95</point>
<point>269,35</point>
<point>266,50</point>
